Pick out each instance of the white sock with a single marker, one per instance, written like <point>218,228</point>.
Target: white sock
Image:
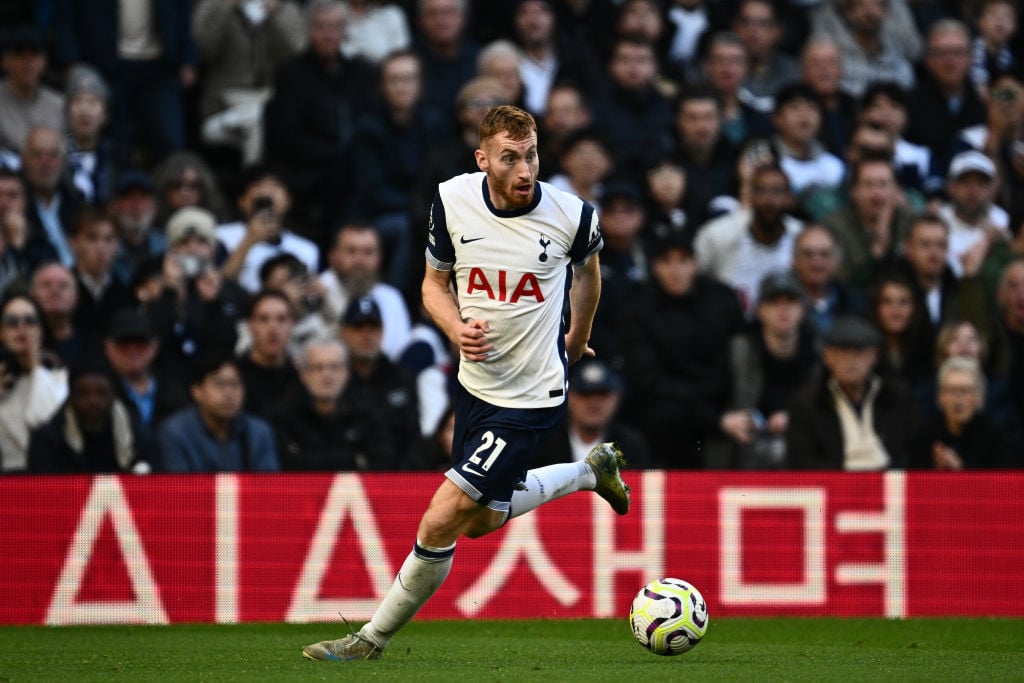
<point>550,483</point>
<point>422,573</point>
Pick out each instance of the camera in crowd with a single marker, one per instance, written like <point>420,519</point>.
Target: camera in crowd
<point>192,266</point>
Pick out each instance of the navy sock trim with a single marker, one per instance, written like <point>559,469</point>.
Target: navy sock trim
<point>429,555</point>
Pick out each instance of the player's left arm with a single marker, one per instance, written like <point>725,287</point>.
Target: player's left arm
<point>583,297</point>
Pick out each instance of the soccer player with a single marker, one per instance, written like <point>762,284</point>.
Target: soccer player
<point>508,239</point>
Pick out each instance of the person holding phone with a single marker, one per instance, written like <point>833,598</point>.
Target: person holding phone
<point>264,202</point>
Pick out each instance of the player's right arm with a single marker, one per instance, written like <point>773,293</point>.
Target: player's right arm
<point>469,335</point>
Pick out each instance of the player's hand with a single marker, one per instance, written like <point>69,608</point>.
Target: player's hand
<point>472,339</point>
<point>577,351</point>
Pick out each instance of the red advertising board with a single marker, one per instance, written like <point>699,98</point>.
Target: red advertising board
<point>232,548</point>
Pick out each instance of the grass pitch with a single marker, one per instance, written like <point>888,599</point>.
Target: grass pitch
<point>577,650</point>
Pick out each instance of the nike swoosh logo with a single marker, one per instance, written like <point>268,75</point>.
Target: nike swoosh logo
<point>463,239</point>
<point>470,470</point>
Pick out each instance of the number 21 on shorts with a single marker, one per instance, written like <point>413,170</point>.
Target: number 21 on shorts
<point>489,443</point>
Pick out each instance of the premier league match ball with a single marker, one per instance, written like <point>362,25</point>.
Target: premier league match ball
<point>668,617</point>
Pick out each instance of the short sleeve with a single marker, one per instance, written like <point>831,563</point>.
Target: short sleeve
<point>440,250</point>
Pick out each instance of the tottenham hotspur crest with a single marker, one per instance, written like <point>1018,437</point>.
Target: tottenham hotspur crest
<point>543,245</point>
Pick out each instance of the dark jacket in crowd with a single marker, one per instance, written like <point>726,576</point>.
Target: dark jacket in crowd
<point>60,447</point>
<point>814,440</point>
<point>390,393</point>
<point>981,445</point>
<point>351,438</point>
<point>677,368</point>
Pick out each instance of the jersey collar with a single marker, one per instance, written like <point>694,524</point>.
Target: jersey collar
<point>510,213</point>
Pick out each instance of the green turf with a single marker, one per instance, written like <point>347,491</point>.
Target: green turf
<point>584,650</point>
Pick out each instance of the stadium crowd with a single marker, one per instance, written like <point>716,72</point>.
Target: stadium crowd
<point>213,215</point>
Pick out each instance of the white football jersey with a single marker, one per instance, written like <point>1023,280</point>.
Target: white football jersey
<point>512,270</point>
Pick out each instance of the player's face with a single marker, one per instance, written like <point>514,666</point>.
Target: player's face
<point>511,167</point>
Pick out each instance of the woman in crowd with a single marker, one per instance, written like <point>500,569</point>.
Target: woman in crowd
<point>31,389</point>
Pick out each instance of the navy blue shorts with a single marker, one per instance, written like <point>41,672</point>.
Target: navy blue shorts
<point>492,447</point>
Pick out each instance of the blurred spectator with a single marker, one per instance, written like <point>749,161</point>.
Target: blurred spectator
<point>317,429</point>
<point>971,213</point>
<point>290,276</point>
<point>439,446</point>
<point>241,43</point>
<point>428,357</point>
<point>184,179</point>
<point>1002,137</point>
<point>962,339</point>
<point>962,436</point>
<point>633,114</point>
<point>146,52</point>
<point>266,366</point>
<point>672,337</point>
<point>15,261</point>
<point>567,110</point>
<point>388,152</point>
<point>850,419</point>
<point>688,20</point>
<point>90,154</point>
<point>884,106</point>
<point>905,351</point>
<point>623,265</point>
<point>100,293</point>
<point>132,205</point>
<point>354,271</point>
<point>866,143</point>
<point>585,161</point>
<point>30,391</point>
<point>52,202</point>
<point>924,264</point>
<point>708,158</point>
<point>797,121</point>
<point>645,19</point>
<point>944,101</point>
<point>92,432</point>
<point>141,381</point>
<point>195,309</point>
<point>25,103</point>
<point>378,384</point>
<point>725,67</point>
<point>872,224</point>
<point>595,392</point>
<point>550,54</point>
<point>447,51</point>
<point>816,259</point>
<point>743,246</point>
<point>666,189</point>
<point>768,363</point>
<point>877,39</point>
<point>500,60</point>
<point>264,203</point>
<point>215,434</point>
<point>54,288</point>
<point>455,156</point>
<point>768,68</point>
<point>309,120</point>
<point>821,67</point>
<point>375,29</point>
<point>991,51</point>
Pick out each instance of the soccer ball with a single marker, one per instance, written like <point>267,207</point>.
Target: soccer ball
<point>668,617</point>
